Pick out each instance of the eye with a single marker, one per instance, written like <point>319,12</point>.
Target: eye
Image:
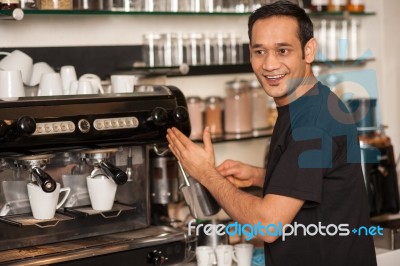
<point>283,51</point>
<point>259,52</point>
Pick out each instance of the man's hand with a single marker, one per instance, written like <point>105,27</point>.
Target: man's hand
<point>195,159</point>
<point>240,174</point>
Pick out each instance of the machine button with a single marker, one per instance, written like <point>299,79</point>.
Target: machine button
<point>121,123</point>
<point>114,123</point>
<point>48,128</point>
<point>39,129</point>
<point>135,122</point>
<point>99,124</point>
<point>56,127</point>
<point>156,257</point>
<point>71,126</point>
<point>107,123</point>
<point>64,127</point>
<point>84,125</point>
<point>128,122</point>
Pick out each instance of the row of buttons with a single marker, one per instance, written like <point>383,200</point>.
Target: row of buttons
<point>116,123</point>
<point>54,128</point>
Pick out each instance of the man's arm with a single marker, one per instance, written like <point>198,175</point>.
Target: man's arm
<point>241,206</point>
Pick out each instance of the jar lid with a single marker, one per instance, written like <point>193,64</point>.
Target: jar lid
<point>213,99</point>
<point>255,84</point>
<point>193,99</point>
<point>237,84</point>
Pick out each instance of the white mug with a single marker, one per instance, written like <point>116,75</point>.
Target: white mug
<point>38,70</point>
<point>17,60</point>
<point>44,204</point>
<point>50,85</point>
<point>82,87</point>
<point>11,85</point>
<point>101,192</point>
<point>95,80</point>
<point>243,254</point>
<point>224,255</point>
<point>123,83</point>
<point>204,255</point>
<point>68,75</point>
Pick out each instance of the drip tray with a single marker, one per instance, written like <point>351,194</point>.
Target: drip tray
<point>85,211</point>
<point>27,219</point>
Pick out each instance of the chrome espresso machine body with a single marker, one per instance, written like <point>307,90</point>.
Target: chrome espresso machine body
<point>62,140</point>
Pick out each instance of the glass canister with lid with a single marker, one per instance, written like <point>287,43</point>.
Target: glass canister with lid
<point>238,111</point>
<point>259,106</point>
<point>195,108</point>
<point>213,115</point>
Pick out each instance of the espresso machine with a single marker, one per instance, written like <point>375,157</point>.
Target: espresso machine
<point>63,139</point>
<point>377,158</point>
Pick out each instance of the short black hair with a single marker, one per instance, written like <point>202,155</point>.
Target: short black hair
<point>289,9</point>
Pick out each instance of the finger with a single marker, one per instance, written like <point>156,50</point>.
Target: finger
<point>175,152</point>
<point>175,142</point>
<point>185,141</point>
<point>207,141</point>
<point>225,164</point>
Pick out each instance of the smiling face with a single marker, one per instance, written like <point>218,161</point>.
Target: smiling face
<point>278,60</point>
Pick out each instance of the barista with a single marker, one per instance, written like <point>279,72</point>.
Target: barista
<point>312,176</point>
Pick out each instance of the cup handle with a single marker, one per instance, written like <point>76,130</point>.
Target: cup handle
<point>5,53</point>
<point>100,88</point>
<point>67,190</point>
<point>234,257</point>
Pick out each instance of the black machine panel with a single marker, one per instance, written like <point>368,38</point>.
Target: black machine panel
<point>32,125</point>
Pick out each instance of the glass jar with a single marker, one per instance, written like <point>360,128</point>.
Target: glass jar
<point>336,5</point>
<point>356,6</point>
<point>259,106</point>
<point>195,108</point>
<point>55,4</point>
<point>319,5</point>
<point>9,4</point>
<point>238,112</point>
<point>213,115</point>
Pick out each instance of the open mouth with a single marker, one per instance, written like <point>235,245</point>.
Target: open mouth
<point>274,79</point>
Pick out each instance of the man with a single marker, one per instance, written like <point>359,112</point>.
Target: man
<point>313,176</point>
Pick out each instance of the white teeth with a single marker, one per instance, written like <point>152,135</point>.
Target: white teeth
<point>275,76</point>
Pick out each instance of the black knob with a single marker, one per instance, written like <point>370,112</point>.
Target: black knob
<point>44,180</point>
<point>25,126</point>
<point>119,176</point>
<point>156,257</point>
<point>181,114</point>
<point>159,116</point>
<point>3,129</point>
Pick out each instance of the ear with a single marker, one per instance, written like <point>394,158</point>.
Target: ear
<point>310,50</point>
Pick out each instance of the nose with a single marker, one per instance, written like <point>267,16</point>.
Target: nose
<point>271,62</point>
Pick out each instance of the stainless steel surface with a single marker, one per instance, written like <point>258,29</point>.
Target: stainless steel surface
<point>94,246</point>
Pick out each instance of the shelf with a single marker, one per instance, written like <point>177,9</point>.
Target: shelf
<point>266,133</point>
<point>175,71</point>
<point>143,13</point>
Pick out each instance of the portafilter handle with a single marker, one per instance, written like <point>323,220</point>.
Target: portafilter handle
<point>44,180</point>
<point>119,176</point>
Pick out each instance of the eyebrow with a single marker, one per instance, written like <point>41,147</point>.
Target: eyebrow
<point>279,44</point>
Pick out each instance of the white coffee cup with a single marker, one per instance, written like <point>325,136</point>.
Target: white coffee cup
<point>44,204</point>
<point>123,83</point>
<point>50,85</point>
<point>204,255</point>
<point>17,60</point>
<point>224,255</point>
<point>68,75</point>
<point>11,85</point>
<point>38,70</point>
<point>101,192</point>
<point>243,254</point>
<point>95,80</point>
<point>81,87</point>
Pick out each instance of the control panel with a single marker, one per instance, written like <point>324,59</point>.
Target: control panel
<point>54,128</point>
<point>116,123</point>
